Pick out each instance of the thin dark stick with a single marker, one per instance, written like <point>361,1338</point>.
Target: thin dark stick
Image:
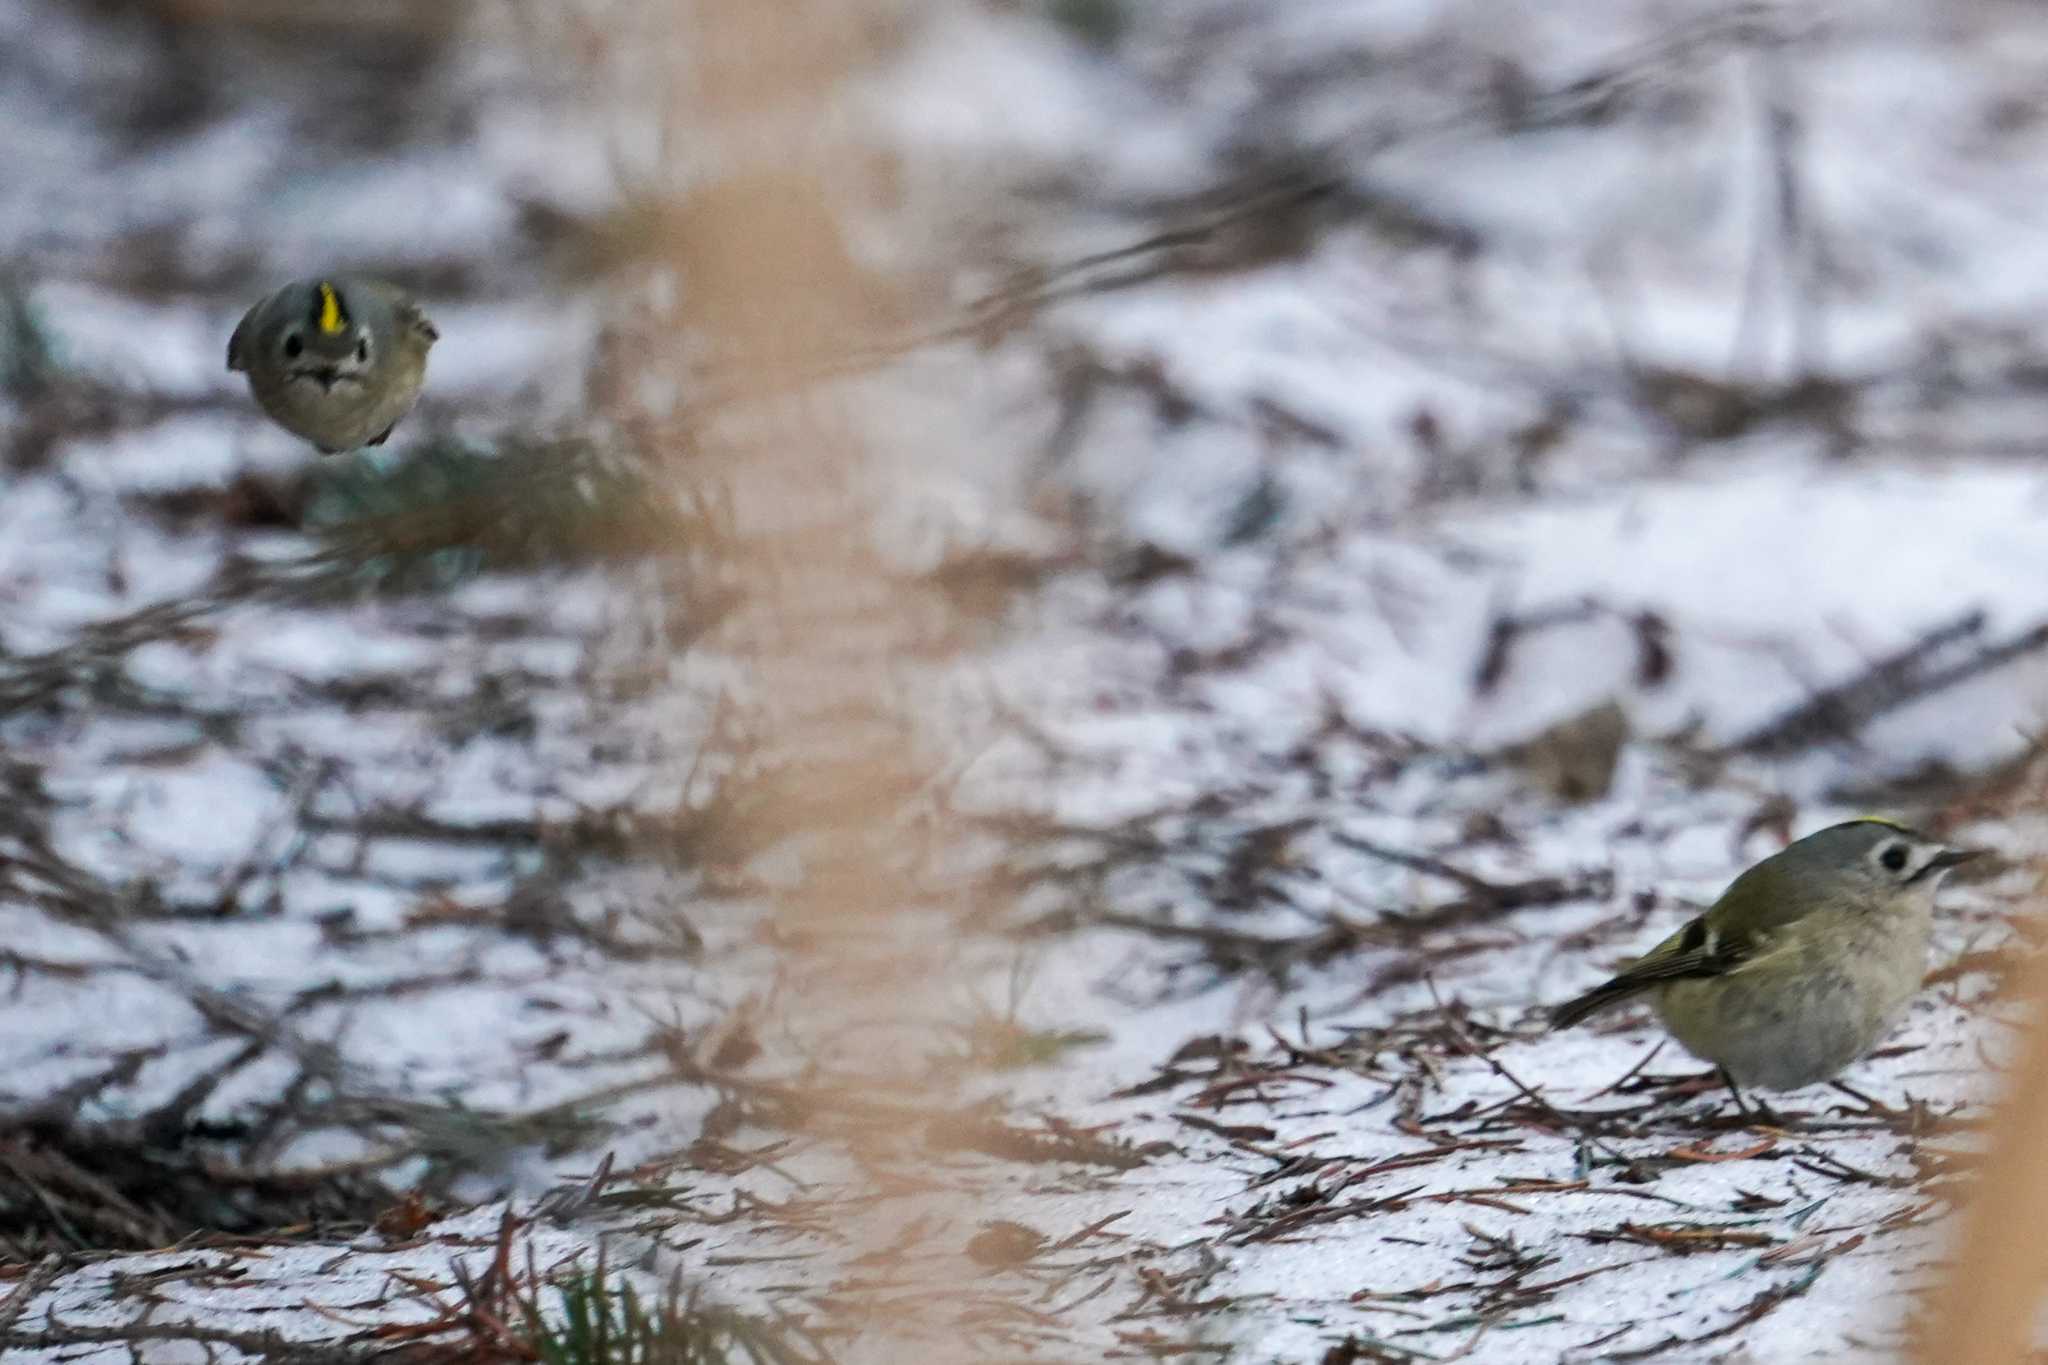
<point>1839,712</point>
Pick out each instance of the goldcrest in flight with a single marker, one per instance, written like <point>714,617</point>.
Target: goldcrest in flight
<point>337,361</point>
<point>1805,962</point>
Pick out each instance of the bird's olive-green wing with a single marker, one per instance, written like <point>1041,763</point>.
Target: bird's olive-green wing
<point>1697,950</point>
<point>1750,913</point>
<point>1753,910</point>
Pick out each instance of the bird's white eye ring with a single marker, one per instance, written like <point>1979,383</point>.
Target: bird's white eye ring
<point>1893,858</point>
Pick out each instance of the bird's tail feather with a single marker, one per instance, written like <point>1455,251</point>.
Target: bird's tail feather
<point>1592,1002</point>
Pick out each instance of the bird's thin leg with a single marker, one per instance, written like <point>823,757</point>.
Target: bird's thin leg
<point>1755,1111</point>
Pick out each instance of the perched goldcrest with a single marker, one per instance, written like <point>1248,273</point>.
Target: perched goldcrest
<point>1803,964</point>
<point>337,361</point>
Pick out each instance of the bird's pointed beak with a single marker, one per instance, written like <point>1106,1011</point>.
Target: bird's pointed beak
<point>1946,859</point>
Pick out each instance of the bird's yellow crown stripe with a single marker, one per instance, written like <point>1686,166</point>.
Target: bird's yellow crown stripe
<point>330,309</point>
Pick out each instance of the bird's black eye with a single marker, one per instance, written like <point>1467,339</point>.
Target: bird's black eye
<point>292,345</point>
<point>1893,858</point>
<point>363,351</point>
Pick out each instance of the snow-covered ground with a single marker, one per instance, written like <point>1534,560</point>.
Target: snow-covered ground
<point>1678,356</point>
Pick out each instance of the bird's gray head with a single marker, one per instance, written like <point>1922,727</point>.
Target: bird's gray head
<point>321,332</point>
<point>1874,856</point>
